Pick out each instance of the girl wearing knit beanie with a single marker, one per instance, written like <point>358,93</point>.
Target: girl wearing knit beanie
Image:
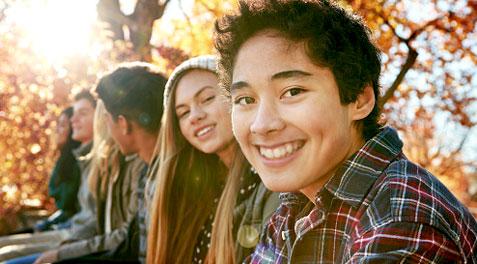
<point>197,153</point>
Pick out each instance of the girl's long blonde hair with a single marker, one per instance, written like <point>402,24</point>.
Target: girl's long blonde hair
<point>187,182</point>
<point>104,154</point>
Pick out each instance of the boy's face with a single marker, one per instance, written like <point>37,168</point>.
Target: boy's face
<point>287,115</point>
<point>82,121</point>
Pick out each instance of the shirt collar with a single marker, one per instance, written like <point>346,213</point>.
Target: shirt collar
<point>82,151</point>
<point>353,179</point>
<point>131,157</point>
<point>291,199</point>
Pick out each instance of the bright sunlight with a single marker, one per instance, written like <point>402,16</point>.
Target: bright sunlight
<point>56,29</point>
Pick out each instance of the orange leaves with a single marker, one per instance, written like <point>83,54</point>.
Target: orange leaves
<point>170,57</point>
<point>32,94</point>
<point>192,33</point>
<point>438,84</point>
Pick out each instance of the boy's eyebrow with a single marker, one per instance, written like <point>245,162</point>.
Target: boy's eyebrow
<point>290,74</point>
<point>279,75</point>
<point>238,85</point>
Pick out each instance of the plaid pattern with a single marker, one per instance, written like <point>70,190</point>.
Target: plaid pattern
<point>377,208</point>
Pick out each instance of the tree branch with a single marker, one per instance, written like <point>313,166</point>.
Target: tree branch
<point>140,23</point>
<point>386,21</point>
<point>188,20</point>
<point>424,27</point>
<point>411,59</point>
<point>110,12</point>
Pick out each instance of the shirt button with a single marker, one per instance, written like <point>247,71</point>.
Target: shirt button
<point>247,236</point>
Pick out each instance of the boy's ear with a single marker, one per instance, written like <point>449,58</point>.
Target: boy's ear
<point>124,125</point>
<point>364,104</point>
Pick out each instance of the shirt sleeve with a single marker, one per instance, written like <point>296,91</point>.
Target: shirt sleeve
<point>404,242</point>
<point>95,244</point>
<point>84,230</point>
<point>107,241</point>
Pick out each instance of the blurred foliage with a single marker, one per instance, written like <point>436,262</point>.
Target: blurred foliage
<point>188,35</point>
<point>33,91</point>
<point>430,75</point>
<point>429,79</point>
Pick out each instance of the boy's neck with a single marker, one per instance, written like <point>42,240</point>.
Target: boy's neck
<point>146,145</point>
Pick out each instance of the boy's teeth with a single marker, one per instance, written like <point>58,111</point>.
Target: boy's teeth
<point>289,148</point>
<point>269,152</point>
<point>280,152</point>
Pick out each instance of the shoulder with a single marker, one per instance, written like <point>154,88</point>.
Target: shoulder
<point>409,193</point>
<point>415,193</point>
<point>265,199</point>
<point>135,163</point>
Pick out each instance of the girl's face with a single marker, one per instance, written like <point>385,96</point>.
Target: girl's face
<point>82,120</point>
<point>203,114</point>
<point>62,130</point>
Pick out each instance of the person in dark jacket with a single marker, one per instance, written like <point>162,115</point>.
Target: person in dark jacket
<point>65,177</point>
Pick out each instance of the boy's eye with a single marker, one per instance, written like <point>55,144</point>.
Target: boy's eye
<point>293,92</point>
<point>245,100</point>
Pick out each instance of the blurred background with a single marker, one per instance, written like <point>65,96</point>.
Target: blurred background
<point>50,49</point>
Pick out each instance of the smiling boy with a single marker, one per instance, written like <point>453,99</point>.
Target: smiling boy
<point>303,77</point>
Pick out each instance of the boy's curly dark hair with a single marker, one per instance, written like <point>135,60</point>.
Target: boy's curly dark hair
<point>333,39</point>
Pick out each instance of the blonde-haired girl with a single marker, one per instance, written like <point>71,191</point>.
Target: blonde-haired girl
<point>196,152</point>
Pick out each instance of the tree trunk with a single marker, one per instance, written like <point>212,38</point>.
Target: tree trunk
<point>138,24</point>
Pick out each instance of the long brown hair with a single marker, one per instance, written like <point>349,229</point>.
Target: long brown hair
<point>222,244</point>
<point>187,182</point>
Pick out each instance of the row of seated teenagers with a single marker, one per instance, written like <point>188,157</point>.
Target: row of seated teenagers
<point>196,132</point>
<point>178,173</point>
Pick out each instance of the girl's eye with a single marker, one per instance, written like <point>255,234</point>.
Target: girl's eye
<point>245,100</point>
<point>293,92</point>
<point>183,114</point>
